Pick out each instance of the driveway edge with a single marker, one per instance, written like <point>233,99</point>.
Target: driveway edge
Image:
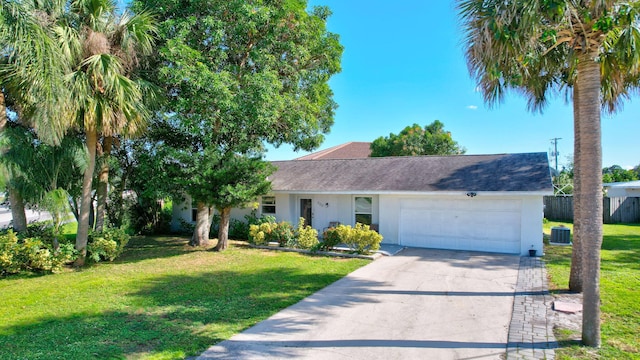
<point>531,328</point>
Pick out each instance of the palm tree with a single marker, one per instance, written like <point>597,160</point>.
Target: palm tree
<point>31,70</point>
<point>537,46</point>
<point>102,48</point>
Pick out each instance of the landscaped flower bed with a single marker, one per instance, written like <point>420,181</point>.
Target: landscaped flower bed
<point>356,240</point>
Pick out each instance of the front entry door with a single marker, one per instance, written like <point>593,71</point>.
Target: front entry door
<point>306,211</point>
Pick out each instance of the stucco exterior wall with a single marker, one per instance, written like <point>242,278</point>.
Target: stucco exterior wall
<point>182,210</point>
<point>386,213</point>
<point>326,208</point>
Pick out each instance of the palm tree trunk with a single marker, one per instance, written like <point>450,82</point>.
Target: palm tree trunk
<point>86,205</point>
<point>17,210</point>
<point>103,183</point>
<point>3,112</point>
<point>588,163</point>
<point>15,198</point>
<point>575,276</point>
<point>201,232</point>
<point>223,231</point>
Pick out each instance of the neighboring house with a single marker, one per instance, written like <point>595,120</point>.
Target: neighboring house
<point>623,189</point>
<point>350,150</point>
<point>490,203</point>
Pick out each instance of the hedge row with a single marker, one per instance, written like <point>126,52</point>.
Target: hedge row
<point>360,239</point>
<point>36,252</point>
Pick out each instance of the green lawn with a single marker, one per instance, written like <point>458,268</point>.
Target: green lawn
<point>619,291</point>
<point>160,300</point>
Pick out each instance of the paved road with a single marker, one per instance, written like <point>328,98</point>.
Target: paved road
<point>5,216</point>
<point>419,304</point>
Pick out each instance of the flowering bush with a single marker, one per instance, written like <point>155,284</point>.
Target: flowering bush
<point>330,239</point>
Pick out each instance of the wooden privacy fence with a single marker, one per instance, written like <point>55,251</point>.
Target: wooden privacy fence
<point>614,210</point>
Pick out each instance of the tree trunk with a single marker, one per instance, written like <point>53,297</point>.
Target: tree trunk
<point>3,112</point>
<point>103,183</point>
<point>223,231</point>
<point>85,204</point>
<point>75,208</point>
<point>117,207</point>
<point>201,232</point>
<point>15,198</point>
<point>17,210</point>
<point>575,276</point>
<point>588,162</point>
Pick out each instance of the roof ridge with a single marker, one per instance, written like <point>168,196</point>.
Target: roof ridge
<point>324,152</point>
<point>317,154</point>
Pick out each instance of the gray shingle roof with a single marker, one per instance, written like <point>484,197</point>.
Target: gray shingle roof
<point>350,150</point>
<point>504,172</point>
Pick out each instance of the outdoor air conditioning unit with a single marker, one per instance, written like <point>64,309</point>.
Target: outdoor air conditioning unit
<point>560,235</point>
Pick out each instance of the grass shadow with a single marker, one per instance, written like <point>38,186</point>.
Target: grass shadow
<point>142,248</point>
<point>167,316</point>
<point>109,335</point>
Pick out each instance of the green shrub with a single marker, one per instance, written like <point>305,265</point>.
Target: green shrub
<point>281,232</point>
<point>186,227</point>
<point>107,245</point>
<point>32,254</point>
<point>330,239</point>
<point>284,234</point>
<point>238,229</point>
<point>148,216</point>
<point>365,240</point>
<point>41,230</point>
<point>8,251</point>
<point>360,238</point>
<point>306,236</point>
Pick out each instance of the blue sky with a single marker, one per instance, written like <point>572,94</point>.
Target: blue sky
<point>403,63</point>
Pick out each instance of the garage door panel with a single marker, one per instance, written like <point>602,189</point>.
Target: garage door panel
<point>463,225</point>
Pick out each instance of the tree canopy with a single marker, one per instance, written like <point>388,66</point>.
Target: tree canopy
<point>616,173</point>
<point>415,140</point>
<point>238,74</point>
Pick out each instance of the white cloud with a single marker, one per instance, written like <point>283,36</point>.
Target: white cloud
<point>472,107</point>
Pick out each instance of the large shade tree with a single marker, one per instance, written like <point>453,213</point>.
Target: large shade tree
<point>537,47</point>
<point>415,140</point>
<point>240,73</point>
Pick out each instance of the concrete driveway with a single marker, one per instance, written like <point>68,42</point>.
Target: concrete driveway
<point>418,304</point>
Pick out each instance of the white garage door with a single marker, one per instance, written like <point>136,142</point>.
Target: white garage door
<point>469,224</point>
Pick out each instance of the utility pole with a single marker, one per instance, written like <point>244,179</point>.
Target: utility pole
<point>554,153</point>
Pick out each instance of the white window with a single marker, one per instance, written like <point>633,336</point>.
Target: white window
<point>268,204</point>
<point>364,209</point>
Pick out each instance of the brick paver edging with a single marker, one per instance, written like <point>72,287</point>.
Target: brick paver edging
<point>531,329</point>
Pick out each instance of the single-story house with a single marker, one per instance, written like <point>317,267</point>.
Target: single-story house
<point>491,203</point>
<point>623,189</point>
